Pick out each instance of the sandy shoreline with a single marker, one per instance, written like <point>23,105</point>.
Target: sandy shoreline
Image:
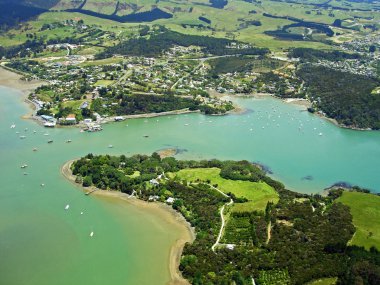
<point>164,211</point>
<point>13,80</point>
<point>148,115</point>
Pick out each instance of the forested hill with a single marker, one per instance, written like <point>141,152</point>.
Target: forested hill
<point>12,13</point>
<point>298,239</point>
<point>160,42</point>
<point>351,99</point>
<point>44,4</point>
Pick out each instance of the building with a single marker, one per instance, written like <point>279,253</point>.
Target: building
<point>170,200</point>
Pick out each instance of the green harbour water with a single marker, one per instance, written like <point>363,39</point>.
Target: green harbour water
<point>41,243</point>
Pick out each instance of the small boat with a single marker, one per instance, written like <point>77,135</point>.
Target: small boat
<point>13,126</point>
<point>22,137</point>
<point>35,149</point>
<point>146,136</point>
<point>69,141</point>
<point>50,141</point>
<point>67,207</point>
<point>25,173</point>
<point>46,134</point>
<point>81,213</point>
<point>42,185</point>
<point>24,166</point>
<point>91,234</point>
<point>34,132</point>
<point>17,132</point>
<point>186,124</point>
<point>110,146</point>
<point>26,129</point>
<point>320,134</point>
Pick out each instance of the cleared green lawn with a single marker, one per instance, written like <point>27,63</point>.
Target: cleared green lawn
<point>365,210</point>
<point>258,193</point>
<point>74,104</point>
<point>323,281</point>
<point>104,82</point>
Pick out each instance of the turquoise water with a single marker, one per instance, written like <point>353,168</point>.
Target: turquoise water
<point>41,243</point>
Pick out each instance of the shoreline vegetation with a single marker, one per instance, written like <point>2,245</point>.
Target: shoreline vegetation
<point>12,80</point>
<point>171,216</point>
<point>293,238</point>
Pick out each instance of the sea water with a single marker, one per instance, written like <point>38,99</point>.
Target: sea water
<point>42,243</point>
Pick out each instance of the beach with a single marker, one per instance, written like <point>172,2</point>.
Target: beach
<point>166,212</point>
<point>13,80</point>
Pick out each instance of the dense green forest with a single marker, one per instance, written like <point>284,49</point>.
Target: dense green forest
<point>309,54</point>
<point>133,104</point>
<point>157,43</point>
<point>346,97</point>
<point>308,237</point>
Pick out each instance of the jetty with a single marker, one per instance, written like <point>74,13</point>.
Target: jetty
<point>90,192</point>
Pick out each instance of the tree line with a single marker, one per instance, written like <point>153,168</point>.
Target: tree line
<point>309,233</point>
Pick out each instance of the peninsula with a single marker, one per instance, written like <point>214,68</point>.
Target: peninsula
<point>247,226</point>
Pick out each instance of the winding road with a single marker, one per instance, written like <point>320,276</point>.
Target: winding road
<point>222,217</point>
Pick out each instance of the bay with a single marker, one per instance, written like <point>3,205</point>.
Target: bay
<point>41,243</point>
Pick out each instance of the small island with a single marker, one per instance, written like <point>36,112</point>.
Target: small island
<point>248,227</point>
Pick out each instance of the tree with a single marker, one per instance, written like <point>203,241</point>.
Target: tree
<point>87,181</point>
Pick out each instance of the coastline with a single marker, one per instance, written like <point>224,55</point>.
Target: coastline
<point>13,81</point>
<point>148,115</point>
<point>305,103</point>
<point>164,211</point>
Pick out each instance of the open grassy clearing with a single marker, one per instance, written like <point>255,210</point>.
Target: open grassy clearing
<point>323,281</point>
<point>104,82</point>
<point>258,193</point>
<point>365,210</point>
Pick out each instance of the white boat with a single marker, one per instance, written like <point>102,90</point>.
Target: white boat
<point>24,166</point>
<point>67,207</point>
<point>320,134</point>
<point>69,141</point>
<point>110,146</point>
<point>81,213</point>
<point>35,149</point>
<point>13,126</point>
<point>22,137</point>
<point>42,185</point>
<point>91,234</point>
<point>49,124</point>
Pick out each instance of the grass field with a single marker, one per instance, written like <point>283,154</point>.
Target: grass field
<point>104,82</point>
<point>365,209</point>
<point>323,281</point>
<point>258,193</point>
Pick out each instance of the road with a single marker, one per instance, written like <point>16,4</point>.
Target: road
<point>222,218</point>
